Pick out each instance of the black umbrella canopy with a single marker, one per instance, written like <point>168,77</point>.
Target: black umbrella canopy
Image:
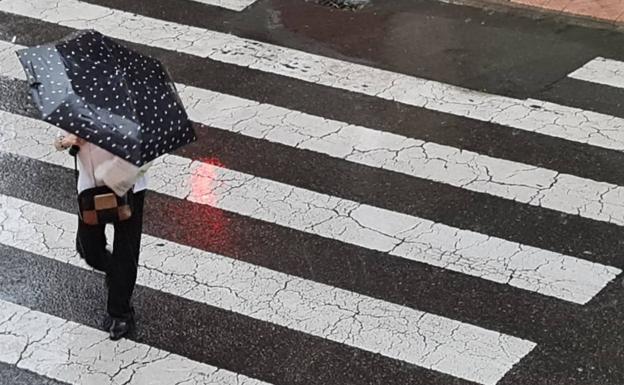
<point>109,95</point>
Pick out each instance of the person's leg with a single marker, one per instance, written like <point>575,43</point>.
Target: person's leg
<point>91,245</point>
<point>123,268</point>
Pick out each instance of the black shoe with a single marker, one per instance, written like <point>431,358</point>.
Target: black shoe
<point>120,327</point>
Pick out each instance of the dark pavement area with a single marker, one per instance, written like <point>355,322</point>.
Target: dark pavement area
<point>494,52</point>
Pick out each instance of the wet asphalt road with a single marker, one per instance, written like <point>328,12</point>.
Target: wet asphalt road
<point>496,53</point>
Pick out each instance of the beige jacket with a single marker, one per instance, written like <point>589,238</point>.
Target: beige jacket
<point>98,167</point>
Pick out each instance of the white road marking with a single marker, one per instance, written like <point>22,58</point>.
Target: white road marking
<point>76,354</point>
<point>469,170</point>
<point>530,115</point>
<point>603,71</point>
<point>234,5</point>
<point>395,331</point>
<point>397,234</point>
<point>460,168</point>
<point>9,63</point>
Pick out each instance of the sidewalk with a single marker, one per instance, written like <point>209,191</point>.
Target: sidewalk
<point>606,10</point>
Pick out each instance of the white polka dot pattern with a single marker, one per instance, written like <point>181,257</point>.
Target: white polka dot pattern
<point>111,96</point>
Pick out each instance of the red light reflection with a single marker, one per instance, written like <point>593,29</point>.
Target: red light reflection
<point>214,223</point>
<point>203,181</point>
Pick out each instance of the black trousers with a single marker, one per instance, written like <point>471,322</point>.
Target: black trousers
<point>121,265</point>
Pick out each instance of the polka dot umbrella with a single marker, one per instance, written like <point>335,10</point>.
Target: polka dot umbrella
<point>109,95</point>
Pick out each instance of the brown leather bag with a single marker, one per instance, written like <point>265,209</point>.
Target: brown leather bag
<point>100,205</point>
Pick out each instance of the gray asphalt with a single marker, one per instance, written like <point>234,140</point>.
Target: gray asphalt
<point>496,52</point>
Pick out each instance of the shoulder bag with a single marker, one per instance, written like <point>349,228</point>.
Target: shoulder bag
<point>100,205</point>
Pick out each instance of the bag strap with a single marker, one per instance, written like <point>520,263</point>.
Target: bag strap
<point>76,169</point>
<point>75,155</point>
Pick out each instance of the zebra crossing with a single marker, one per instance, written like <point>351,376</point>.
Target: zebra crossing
<point>77,354</point>
<point>302,304</point>
<point>466,169</point>
<point>370,227</point>
<point>345,317</point>
<point>530,115</point>
<point>603,71</point>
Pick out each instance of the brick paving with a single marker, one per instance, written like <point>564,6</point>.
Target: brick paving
<point>609,10</point>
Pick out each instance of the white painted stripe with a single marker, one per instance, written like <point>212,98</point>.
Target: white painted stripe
<point>531,115</point>
<point>9,63</point>
<point>398,234</point>
<point>603,71</point>
<point>76,354</point>
<point>235,5</point>
<point>423,339</point>
<point>469,170</point>
<point>466,169</point>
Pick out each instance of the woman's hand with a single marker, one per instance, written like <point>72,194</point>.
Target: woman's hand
<point>64,142</point>
<point>71,140</point>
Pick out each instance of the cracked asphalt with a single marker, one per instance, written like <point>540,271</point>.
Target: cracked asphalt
<point>410,193</point>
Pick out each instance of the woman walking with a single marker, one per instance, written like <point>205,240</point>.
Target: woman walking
<point>125,112</point>
<point>120,265</point>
